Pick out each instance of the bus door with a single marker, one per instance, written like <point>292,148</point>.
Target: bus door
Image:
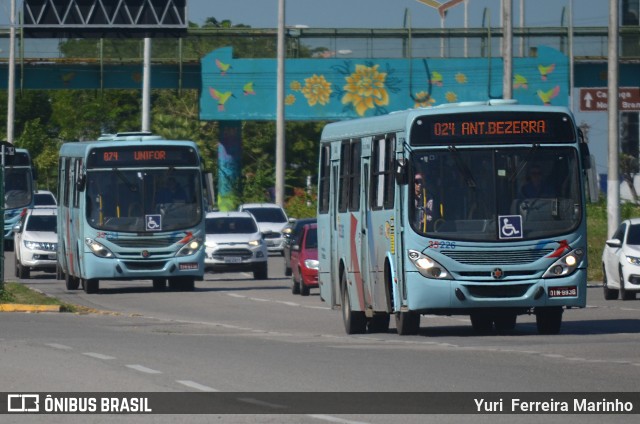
<point>333,233</point>
<point>365,231</point>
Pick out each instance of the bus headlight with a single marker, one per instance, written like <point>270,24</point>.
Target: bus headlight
<point>98,249</point>
<point>428,267</point>
<point>565,265</point>
<point>191,247</point>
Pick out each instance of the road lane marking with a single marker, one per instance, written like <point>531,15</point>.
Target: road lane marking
<point>59,346</point>
<point>335,419</point>
<point>98,355</point>
<point>144,369</point>
<point>197,386</point>
<point>261,403</point>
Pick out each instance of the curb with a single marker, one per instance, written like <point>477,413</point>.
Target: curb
<point>16,307</point>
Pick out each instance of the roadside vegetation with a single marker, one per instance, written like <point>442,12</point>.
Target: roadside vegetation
<point>21,294</point>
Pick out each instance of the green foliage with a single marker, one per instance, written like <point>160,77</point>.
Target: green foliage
<point>302,204</point>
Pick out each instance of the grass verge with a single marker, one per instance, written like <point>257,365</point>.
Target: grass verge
<point>21,294</point>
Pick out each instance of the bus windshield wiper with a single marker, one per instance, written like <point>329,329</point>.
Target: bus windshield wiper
<point>524,163</point>
<point>132,187</point>
<point>463,168</point>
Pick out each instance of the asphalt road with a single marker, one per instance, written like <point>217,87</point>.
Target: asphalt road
<point>237,334</point>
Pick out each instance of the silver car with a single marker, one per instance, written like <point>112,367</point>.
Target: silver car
<point>234,243</point>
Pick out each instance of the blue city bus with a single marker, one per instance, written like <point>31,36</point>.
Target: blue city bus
<point>439,211</point>
<point>130,207</point>
<point>19,176</point>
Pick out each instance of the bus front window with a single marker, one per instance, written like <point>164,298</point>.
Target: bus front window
<point>17,188</point>
<point>459,194</point>
<point>125,200</point>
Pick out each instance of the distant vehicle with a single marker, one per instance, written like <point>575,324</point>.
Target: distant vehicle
<point>36,242</point>
<point>234,243</point>
<point>621,262</point>
<point>44,199</point>
<point>271,221</point>
<point>19,176</point>
<point>290,232</point>
<point>304,260</point>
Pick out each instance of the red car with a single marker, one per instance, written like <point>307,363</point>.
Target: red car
<point>304,260</point>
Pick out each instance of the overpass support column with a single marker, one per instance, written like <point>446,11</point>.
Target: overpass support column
<point>229,164</point>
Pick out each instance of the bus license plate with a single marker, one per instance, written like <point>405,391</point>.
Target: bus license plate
<point>232,259</point>
<point>570,291</point>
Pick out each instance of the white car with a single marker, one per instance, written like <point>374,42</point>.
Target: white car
<point>36,241</point>
<point>234,243</point>
<point>271,219</point>
<point>44,199</point>
<point>621,262</point>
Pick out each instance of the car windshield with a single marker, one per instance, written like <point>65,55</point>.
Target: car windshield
<point>128,200</point>
<point>268,214</point>
<point>230,225</point>
<point>311,242</point>
<point>633,237</point>
<point>42,223</point>
<point>461,194</point>
<point>43,199</point>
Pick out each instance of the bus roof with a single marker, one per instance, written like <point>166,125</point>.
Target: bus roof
<point>130,136</point>
<point>401,120</point>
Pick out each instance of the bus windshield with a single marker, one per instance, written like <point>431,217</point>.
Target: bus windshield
<point>459,194</point>
<point>18,191</point>
<point>123,199</point>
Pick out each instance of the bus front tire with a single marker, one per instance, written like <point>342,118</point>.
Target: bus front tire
<point>71,282</point>
<point>407,323</point>
<point>90,285</point>
<point>549,320</point>
<point>355,322</point>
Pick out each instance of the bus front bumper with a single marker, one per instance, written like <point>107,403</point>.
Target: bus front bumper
<point>432,296</point>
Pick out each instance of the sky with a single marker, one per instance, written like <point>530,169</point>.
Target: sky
<point>379,13</point>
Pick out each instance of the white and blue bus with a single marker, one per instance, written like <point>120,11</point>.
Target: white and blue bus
<point>130,207</point>
<point>19,176</point>
<point>472,209</point>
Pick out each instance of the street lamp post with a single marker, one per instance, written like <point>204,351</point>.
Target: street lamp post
<point>280,125</point>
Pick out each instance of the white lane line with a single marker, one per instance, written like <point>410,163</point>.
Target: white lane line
<point>59,346</point>
<point>196,386</point>
<point>144,369</point>
<point>335,419</point>
<point>98,355</point>
<point>261,403</point>
<point>236,295</point>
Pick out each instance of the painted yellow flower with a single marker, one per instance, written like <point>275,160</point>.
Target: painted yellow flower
<point>423,99</point>
<point>451,97</point>
<point>461,78</point>
<point>317,90</point>
<point>295,85</point>
<point>289,100</point>
<point>365,89</point>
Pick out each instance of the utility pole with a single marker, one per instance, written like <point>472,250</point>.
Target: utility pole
<point>11,93</point>
<point>280,141</point>
<point>146,86</point>
<point>507,50</point>
<point>613,183</point>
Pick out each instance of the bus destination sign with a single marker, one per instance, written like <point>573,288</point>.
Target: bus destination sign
<point>492,127</point>
<point>134,156</point>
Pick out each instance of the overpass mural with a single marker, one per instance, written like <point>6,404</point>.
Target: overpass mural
<point>335,89</point>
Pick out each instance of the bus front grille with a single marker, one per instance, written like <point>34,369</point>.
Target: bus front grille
<point>497,291</point>
<point>148,242</point>
<point>496,257</point>
<point>144,265</point>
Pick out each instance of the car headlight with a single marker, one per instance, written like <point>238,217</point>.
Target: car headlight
<point>633,260</point>
<point>191,247</point>
<point>257,242</point>
<point>36,245</point>
<point>312,263</point>
<point>428,267</point>
<point>97,248</point>
<point>565,265</point>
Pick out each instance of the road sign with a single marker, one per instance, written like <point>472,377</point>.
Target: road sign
<point>596,99</point>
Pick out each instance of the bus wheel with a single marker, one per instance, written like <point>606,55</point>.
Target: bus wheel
<point>159,283</point>
<point>505,322</point>
<point>407,323</point>
<point>355,322</point>
<point>549,320</point>
<point>71,282</point>
<point>90,285</point>
<point>379,323</point>
<point>481,323</point>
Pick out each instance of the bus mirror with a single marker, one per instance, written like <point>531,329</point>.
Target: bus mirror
<point>80,183</point>
<point>401,171</point>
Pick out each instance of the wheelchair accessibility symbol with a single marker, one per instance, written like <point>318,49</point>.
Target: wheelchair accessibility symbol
<point>153,222</point>
<point>510,226</point>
